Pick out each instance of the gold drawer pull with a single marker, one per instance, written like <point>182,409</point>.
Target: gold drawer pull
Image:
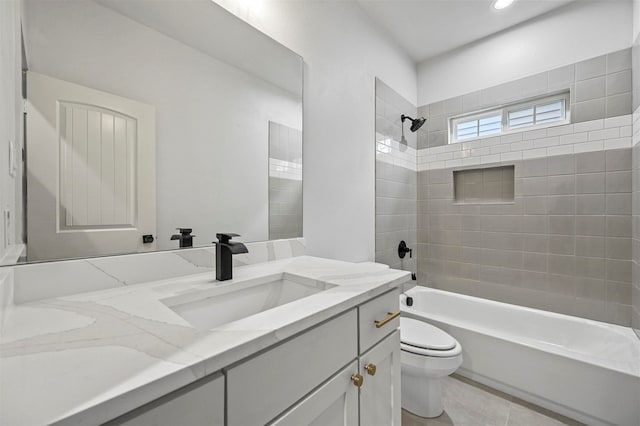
<point>357,380</point>
<point>391,317</point>
<point>371,369</point>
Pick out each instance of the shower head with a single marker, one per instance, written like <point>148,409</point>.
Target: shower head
<point>416,123</point>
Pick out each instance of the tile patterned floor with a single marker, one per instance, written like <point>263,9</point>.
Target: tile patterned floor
<point>468,403</point>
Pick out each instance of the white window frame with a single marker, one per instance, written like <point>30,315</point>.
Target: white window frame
<point>453,124</point>
<point>504,110</point>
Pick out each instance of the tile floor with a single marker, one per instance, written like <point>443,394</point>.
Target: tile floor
<point>468,403</point>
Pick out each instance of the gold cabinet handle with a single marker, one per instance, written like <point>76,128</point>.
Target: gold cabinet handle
<point>371,369</point>
<point>391,316</point>
<point>357,379</point>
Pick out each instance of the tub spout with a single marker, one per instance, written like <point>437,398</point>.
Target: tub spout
<point>407,300</point>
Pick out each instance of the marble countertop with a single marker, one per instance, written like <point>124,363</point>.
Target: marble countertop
<point>90,357</point>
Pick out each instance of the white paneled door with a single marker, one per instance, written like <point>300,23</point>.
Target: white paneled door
<point>90,171</point>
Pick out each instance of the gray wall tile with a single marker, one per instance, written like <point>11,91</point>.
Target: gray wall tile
<point>618,83</point>
<point>593,88</point>
<point>589,246</point>
<point>592,204</point>
<point>452,106</point>
<point>588,110</point>
<point>562,77</point>
<point>561,165</point>
<point>618,105</point>
<point>619,181</point>
<point>590,225</point>
<point>590,162</point>
<point>591,68</point>
<point>591,183</point>
<point>471,102</point>
<point>619,226</point>
<point>618,248</point>
<point>618,204</point>
<point>618,61</point>
<point>618,160</point>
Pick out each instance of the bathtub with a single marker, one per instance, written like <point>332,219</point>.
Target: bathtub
<point>586,370</point>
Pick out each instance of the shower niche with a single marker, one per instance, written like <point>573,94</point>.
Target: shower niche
<point>489,185</point>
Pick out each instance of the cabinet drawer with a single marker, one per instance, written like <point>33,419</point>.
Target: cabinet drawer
<point>266,385</point>
<point>378,309</point>
<point>200,403</point>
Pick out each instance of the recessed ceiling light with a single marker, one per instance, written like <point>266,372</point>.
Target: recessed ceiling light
<point>502,4</point>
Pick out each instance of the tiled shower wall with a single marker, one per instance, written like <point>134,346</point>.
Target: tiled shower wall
<point>635,289</point>
<point>564,243</point>
<point>600,88</point>
<point>396,189</point>
<point>285,182</point>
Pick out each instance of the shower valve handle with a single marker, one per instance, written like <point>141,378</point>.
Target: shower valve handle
<point>403,250</point>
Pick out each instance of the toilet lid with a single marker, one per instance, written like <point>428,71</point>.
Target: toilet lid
<point>422,335</point>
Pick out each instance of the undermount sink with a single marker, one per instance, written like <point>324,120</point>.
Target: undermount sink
<point>234,301</point>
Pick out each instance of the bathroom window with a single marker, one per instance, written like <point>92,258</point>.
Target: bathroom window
<point>477,127</point>
<point>536,113</point>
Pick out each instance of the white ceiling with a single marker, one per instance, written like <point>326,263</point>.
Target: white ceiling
<point>427,28</point>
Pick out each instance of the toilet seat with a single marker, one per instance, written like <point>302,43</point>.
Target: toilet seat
<point>420,338</point>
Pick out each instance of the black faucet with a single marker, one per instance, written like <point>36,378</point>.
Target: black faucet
<point>224,250</point>
<point>185,237</point>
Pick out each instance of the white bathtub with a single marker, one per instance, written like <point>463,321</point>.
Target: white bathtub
<point>583,369</point>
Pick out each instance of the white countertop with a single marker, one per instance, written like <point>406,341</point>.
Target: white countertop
<point>90,357</point>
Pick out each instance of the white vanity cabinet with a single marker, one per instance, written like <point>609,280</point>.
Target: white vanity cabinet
<point>336,402</point>
<point>366,392</point>
<point>343,372</point>
<point>264,386</point>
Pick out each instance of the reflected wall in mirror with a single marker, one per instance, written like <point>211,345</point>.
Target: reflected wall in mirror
<point>143,117</point>
<point>285,182</point>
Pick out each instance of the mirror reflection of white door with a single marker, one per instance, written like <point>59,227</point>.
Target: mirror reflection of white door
<point>90,171</point>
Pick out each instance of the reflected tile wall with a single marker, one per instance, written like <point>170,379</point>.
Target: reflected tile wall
<point>396,186</point>
<point>635,289</point>
<point>285,182</point>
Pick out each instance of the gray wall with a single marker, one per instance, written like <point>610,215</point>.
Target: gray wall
<point>396,186</point>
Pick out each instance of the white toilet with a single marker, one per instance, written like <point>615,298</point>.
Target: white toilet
<point>427,354</point>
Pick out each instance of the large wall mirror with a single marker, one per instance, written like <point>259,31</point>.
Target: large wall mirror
<point>148,116</point>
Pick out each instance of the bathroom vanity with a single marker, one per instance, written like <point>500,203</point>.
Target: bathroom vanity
<point>286,342</point>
